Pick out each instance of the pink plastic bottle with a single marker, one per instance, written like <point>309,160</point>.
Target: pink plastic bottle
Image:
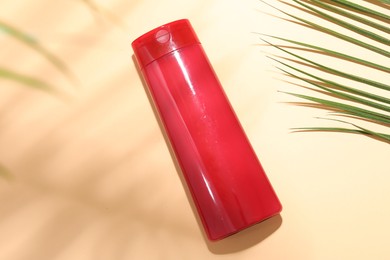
<point>228,185</point>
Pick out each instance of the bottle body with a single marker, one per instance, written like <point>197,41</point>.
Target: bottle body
<point>227,182</point>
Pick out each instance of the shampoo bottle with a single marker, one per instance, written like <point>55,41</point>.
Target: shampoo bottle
<point>227,182</point>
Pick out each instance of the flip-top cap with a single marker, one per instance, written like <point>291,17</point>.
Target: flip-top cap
<point>163,40</point>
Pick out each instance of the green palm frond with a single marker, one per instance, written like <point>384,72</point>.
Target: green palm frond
<point>29,41</point>
<point>359,97</point>
<point>26,80</point>
<point>32,43</point>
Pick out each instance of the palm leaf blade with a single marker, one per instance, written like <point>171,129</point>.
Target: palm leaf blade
<point>342,95</point>
<point>339,86</point>
<point>25,80</point>
<point>337,72</point>
<point>336,54</point>
<point>348,109</point>
<point>363,10</point>
<point>379,136</point>
<point>352,16</point>
<point>347,25</point>
<point>36,46</point>
<point>348,94</point>
<point>4,172</point>
<point>337,34</point>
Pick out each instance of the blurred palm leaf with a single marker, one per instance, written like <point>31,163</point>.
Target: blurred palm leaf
<point>32,43</point>
<point>29,41</point>
<point>4,172</point>
<point>26,80</point>
<point>359,97</point>
<point>105,13</point>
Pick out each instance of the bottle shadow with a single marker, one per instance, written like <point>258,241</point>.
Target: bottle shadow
<point>246,238</point>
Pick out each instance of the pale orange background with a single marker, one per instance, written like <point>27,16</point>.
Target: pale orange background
<point>92,177</point>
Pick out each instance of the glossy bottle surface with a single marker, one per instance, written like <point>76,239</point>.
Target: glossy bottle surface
<point>227,182</point>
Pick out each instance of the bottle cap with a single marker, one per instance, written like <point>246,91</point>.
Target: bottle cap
<point>163,40</point>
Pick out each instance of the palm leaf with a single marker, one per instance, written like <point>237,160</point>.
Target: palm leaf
<point>4,172</point>
<point>380,118</point>
<point>378,136</point>
<point>32,43</point>
<point>342,95</point>
<point>346,100</point>
<point>363,10</point>
<point>339,11</point>
<point>356,29</point>
<point>337,34</point>
<point>338,72</point>
<point>26,80</point>
<point>105,13</point>
<point>332,53</point>
<point>357,130</point>
<point>29,41</point>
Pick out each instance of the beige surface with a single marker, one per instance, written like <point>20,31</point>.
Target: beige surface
<point>93,178</point>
